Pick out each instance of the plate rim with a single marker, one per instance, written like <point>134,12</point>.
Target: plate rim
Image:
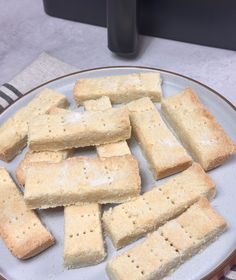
<point>227,263</point>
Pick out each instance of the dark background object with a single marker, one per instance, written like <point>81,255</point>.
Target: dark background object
<point>87,11</point>
<point>122,26</point>
<point>206,22</point>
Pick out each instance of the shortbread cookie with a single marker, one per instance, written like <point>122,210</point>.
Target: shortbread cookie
<point>73,130</point>
<point>165,155</point>
<point>99,104</point>
<point>167,248</point>
<point>13,133</point>
<point>32,157</point>
<point>120,89</point>
<point>83,243</point>
<point>107,150</point>
<point>114,149</point>
<point>131,220</point>
<point>94,105</point>
<point>198,129</point>
<point>20,228</point>
<point>82,179</point>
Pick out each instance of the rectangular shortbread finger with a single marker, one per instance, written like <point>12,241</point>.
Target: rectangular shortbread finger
<point>20,228</point>
<point>165,155</point>
<point>32,157</point>
<point>107,150</point>
<point>13,133</point>
<point>197,129</point>
<point>131,220</point>
<point>120,89</point>
<point>166,249</point>
<point>73,130</point>
<point>83,243</point>
<point>82,179</point>
<point>112,149</point>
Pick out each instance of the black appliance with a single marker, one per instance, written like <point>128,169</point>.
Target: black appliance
<point>206,22</point>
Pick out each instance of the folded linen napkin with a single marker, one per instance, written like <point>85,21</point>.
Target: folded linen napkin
<point>43,69</point>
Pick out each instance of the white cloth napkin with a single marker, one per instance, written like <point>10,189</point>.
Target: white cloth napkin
<point>42,70</point>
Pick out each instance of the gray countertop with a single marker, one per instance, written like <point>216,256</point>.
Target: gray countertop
<point>26,31</point>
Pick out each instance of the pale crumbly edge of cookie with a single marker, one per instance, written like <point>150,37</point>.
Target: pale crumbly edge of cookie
<point>57,110</point>
<point>100,104</point>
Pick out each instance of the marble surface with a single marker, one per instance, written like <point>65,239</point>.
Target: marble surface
<point>26,31</point>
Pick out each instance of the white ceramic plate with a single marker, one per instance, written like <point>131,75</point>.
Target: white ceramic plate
<point>49,264</point>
